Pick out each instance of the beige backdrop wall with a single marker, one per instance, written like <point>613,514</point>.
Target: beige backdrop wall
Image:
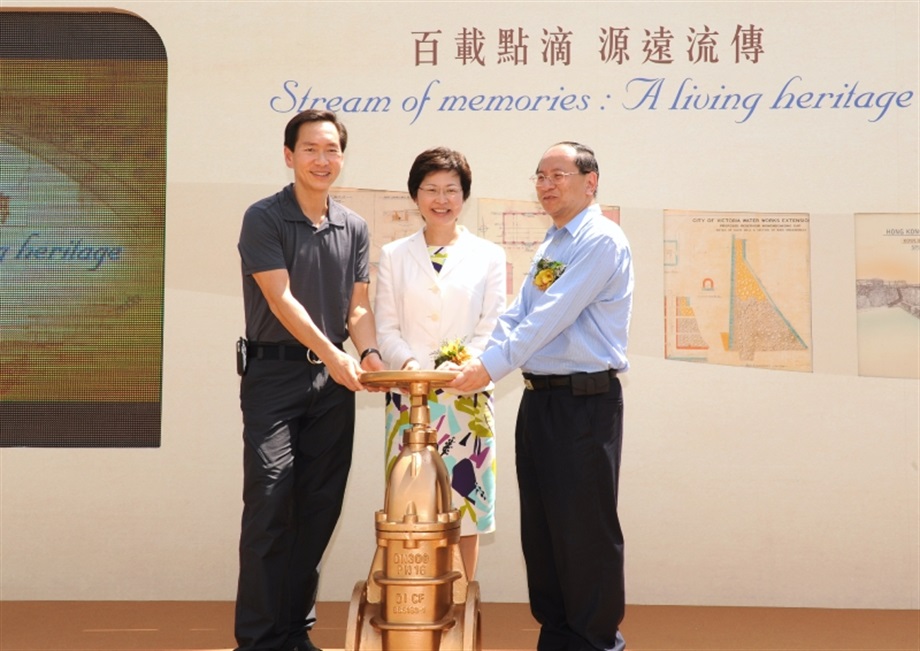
<point>739,486</point>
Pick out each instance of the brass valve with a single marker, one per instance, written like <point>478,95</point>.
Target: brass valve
<point>417,596</point>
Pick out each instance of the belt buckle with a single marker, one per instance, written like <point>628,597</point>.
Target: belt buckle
<point>528,384</point>
<point>313,358</point>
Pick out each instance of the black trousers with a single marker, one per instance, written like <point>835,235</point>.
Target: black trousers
<point>568,450</point>
<point>298,433</point>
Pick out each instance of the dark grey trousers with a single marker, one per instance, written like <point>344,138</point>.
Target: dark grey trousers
<point>298,432</point>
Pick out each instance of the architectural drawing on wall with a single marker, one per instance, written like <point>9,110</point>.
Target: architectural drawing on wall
<point>737,289</point>
<point>519,227</point>
<point>389,216</point>
<point>888,294</point>
<point>686,340</point>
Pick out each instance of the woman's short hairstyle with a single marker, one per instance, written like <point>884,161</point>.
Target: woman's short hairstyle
<point>440,159</point>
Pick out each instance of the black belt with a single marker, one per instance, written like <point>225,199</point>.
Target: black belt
<point>283,352</point>
<point>580,383</point>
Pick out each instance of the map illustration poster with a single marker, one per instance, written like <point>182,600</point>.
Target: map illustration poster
<point>888,294</point>
<point>738,289</point>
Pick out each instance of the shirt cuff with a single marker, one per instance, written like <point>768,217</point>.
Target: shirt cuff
<point>494,362</point>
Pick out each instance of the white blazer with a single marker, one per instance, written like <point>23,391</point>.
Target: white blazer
<point>417,309</point>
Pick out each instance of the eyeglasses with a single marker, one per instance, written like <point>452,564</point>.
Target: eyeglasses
<point>431,191</point>
<point>554,177</point>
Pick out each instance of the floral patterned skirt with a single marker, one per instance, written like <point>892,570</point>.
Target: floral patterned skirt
<point>466,441</point>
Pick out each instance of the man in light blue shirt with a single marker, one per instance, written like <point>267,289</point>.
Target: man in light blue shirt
<point>567,331</point>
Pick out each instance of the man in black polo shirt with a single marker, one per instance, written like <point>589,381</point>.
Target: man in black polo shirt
<point>305,291</point>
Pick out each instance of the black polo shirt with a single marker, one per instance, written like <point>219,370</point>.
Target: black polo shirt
<point>323,263</point>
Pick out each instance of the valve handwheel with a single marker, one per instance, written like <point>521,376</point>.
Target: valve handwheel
<point>408,380</point>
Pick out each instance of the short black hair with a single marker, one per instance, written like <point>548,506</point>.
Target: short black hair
<point>292,130</point>
<point>585,160</point>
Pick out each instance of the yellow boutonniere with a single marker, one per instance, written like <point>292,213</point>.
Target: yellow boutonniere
<point>546,273</point>
<point>452,350</point>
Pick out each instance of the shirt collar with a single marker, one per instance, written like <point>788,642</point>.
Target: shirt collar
<point>577,221</point>
<point>335,215</point>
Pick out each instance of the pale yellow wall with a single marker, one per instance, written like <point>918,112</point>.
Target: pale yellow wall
<point>739,487</point>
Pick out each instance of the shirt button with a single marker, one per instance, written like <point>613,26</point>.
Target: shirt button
<point>435,316</point>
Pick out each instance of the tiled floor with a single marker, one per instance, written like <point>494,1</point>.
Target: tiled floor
<point>184,626</point>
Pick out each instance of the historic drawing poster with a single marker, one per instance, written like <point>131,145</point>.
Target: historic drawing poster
<point>738,289</point>
<point>389,215</point>
<point>888,294</point>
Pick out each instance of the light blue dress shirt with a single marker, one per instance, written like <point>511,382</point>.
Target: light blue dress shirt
<point>581,322</point>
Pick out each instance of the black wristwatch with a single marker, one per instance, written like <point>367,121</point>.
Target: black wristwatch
<point>369,351</point>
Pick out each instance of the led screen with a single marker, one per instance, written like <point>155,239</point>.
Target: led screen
<point>82,212</point>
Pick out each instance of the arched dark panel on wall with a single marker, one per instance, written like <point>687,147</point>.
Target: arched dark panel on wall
<point>82,223</point>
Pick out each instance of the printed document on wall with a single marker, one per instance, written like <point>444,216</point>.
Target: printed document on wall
<point>738,289</point>
<point>888,294</point>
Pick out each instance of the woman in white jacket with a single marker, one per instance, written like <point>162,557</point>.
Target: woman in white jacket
<point>440,285</point>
